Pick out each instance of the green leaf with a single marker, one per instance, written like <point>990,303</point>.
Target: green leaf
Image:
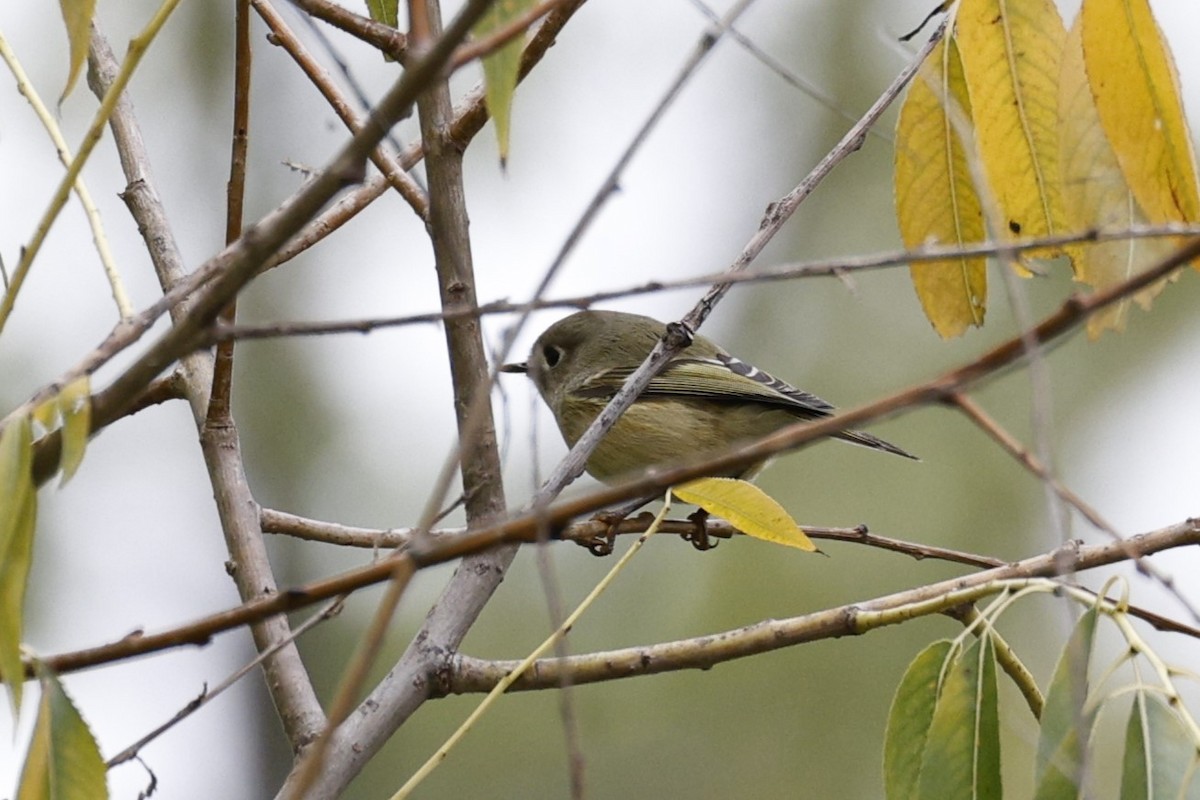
<point>751,510</point>
<point>962,756</point>
<point>1159,755</point>
<point>1066,724</point>
<point>64,762</point>
<point>909,721</point>
<point>77,16</point>
<point>18,511</point>
<point>501,67</point>
<point>76,407</point>
<point>385,11</point>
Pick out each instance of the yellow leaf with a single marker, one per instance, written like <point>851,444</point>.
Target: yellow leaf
<point>77,16</point>
<point>64,760</point>
<point>76,406</point>
<point>751,510</point>
<point>46,414</point>
<point>936,202</point>
<point>1096,196</point>
<point>1136,90</point>
<point>1010,51</point>
<point>18,510</point>
<point>501,67</point>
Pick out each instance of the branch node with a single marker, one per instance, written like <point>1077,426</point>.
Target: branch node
<point>679,335</point>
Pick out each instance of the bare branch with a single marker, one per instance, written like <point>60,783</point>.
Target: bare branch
<point>288,681</point>
<point>391,169</point>
<point>385,38</point>
<point>469,118</point>
<point>208,695</point>
<point>835,267</point>
<point>588,533</point>
<point>976,414</point>
<point>704,652</point>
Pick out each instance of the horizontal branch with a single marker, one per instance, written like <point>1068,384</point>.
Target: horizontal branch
<point>1068,560</point>
<point>782,272</point>
<point>595,533</point>
<point>469,674</point>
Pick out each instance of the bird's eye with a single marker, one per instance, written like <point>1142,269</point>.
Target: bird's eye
<point>552,355</point>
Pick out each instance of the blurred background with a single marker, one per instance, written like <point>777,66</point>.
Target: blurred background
<point>351,428</point>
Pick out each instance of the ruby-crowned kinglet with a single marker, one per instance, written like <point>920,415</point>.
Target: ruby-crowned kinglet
<point>703,402</point>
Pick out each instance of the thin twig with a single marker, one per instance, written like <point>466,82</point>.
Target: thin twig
<point>780,69</point>
<point>808,269</point>
<point>1032,463</point>
<point>137,48</point>
<point>385,38</point>
<point>391,169</point>
<point>496,39</point>
<point>221,397</point>
<point>207,696</point>
<point>523,666</point>
<point>585,533</point>
<point>99,237</point>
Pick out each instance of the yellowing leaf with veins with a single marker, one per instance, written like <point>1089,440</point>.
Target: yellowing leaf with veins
<point>1096,196</point>
<point>1136,90</point>
<point>1010,52</point>
<point>936,202</point>
<point>747,507</point>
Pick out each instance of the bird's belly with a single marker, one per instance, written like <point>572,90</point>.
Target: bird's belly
<point>668,432</point>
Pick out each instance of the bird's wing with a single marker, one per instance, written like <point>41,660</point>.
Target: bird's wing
<point>721,377</point>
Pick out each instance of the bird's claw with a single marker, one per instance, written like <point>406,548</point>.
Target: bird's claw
<point>602,544</point>
<point>699,537</point>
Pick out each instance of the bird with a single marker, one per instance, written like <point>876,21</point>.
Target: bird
<point>704,401</point>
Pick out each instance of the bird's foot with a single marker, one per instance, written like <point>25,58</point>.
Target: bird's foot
<point>699,537</point>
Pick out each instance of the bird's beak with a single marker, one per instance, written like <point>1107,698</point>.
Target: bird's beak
<point>519,368</point>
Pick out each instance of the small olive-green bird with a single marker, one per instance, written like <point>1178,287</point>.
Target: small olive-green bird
<point>704,402</point>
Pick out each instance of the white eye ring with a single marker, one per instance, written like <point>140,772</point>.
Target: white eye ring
<point>552,355</point>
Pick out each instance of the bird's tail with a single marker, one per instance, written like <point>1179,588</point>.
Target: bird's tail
<point>874,442</point>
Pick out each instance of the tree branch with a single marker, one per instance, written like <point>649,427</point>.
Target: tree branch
<point>400,692</point>
<point>289,684</point>
<point>387,164</point>
<point>704,652</point>
<point>835,267</point>
<point>385,38</point>
<point>588,533</point>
